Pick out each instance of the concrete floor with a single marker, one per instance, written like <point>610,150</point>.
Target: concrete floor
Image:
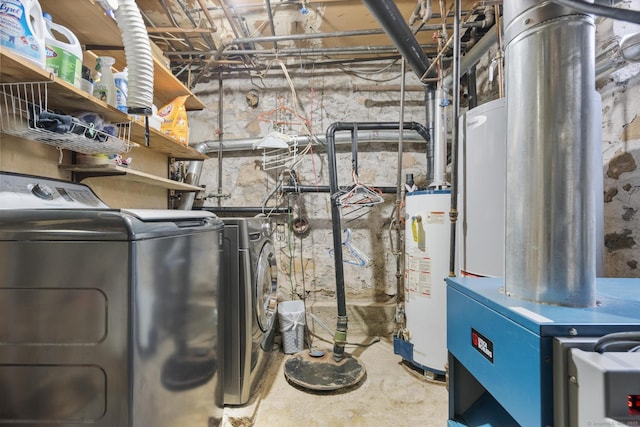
<point>390,395</point>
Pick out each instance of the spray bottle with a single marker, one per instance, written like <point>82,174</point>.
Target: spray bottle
<point>105,88</point>
<point>121,80</point>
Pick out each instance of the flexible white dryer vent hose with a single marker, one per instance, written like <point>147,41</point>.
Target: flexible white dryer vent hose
<point>137,49</point>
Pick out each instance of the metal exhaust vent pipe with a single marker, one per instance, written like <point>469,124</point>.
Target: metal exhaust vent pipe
<point>194,171</point>
<point>550,194</point>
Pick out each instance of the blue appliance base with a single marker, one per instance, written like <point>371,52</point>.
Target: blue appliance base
<point>404,349</point>
<point>501,348</point>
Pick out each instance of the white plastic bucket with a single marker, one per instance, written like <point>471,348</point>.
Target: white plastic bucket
<point>291,316</point>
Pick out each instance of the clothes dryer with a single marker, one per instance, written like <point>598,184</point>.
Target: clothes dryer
<point>108,317</point>
<point>249,291</point>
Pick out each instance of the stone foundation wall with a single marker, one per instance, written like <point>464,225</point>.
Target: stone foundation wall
<point>621,150</point>
<point>306,265</point>
<point>620,146</point>
<point>305,262</point>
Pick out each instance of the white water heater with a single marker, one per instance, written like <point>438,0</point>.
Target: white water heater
<point>481,190</point>
<point>482,170</point>
<point>427,243</point>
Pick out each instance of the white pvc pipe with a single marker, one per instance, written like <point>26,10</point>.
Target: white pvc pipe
<point>137,49</point>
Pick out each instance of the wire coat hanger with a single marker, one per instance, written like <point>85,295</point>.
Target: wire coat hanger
<point>359,258</point>
<point>360,194</point>
<point>278,121</point>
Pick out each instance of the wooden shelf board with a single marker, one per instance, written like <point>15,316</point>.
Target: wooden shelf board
<point>63,96</point>
<point>163,144</point>
<point>130,175</point>
<point>94,27</point>
<point>13,69</point>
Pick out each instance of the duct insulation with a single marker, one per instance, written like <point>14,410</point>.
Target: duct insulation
<point>551,150</point>
<point>137,49</point>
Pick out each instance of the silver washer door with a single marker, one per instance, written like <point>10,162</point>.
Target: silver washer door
<point>266,287</point>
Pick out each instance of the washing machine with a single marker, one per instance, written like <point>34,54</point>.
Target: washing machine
<point>249,292</point>
<point>108,317</point>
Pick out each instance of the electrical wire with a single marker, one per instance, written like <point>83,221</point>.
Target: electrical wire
<point>311,110</point>
<point>360,74</point>
<point>302,272</point>
<point>619,341</point>
<point>627,15</point>
<point>290,255</point>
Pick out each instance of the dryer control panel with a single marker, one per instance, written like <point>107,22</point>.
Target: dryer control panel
<point>19,191</point>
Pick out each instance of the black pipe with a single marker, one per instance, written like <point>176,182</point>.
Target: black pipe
<point>341,329</point>
<point>220,134</point>
<point>392,22</point>
<point>327,189</point>
<point>627,15</point>
<point>241,210</point>
<point>472,87</point>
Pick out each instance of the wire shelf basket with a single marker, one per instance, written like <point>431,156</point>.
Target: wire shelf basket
<point>278,151</point>
<point>24,114</point>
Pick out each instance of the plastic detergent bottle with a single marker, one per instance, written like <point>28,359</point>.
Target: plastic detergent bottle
<point>22,29</point>
<point>105,88</point>
<point>121,81</point>
<point>63,52</point>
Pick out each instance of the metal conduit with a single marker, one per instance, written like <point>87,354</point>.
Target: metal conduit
<point>271,23</point>
<point>453,213</point>
<point>630,47</point>
<point>327,189</point>
<point>351,50</point>
<point>419,134</point>
<point>617,55</point>
<point>295,37</point>
<point>431,111</point>
<point>242,210</point>
<point>440,133</point>
<point>472,57</point>
<point>220,134</point>
<point>398,224</point>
